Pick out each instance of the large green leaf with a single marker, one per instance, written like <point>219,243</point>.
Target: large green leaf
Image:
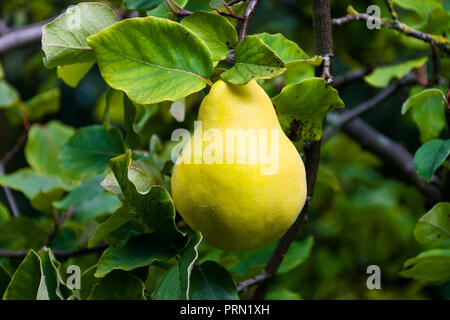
<point>434,226</point>
<point>64,39</point>
<point>43,147</point>
<point>50,288</point>
<point>428,111</point>
<point>155,207</point>
<point>253,60</point>
<point>288,50</point>
<point>175,284</point>
<point>216,31</point>
<point>89,150</point>
<point>429,266</point>
<point>26,280</point>
<point>430,156</point>
<point>173,61</point>
<point>307,102</point>
<point>71,74</point>
<point>118,285</point>
<point>42,104</point>
<point>139,251</point>
<point>210,281</point>
<point>382,76</point>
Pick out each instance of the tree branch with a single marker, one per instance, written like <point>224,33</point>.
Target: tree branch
<point>367,106</point>
<point>324,47</point>
<point>392,153</point>
<point>354,15</point>
<point>19,37</point>
<point>343,79</point>
<point>246,18</point>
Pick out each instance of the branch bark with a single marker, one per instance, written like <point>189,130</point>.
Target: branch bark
<point>392,153</point>
<point>19,37</point>
<point>354,15</point>
<point>323,41</point>
<point>246,18</point>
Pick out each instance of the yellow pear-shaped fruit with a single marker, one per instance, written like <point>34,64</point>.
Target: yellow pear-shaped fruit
<point>235,201</point>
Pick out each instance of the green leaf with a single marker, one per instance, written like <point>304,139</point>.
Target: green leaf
<point>163,11</point>
<point>5,278</point>
<point>307,102</point>
<point>434,226</point>
<point>41,190</point>
<point>428,114</point>
<point>26,280</point>
<point>9,96</point>
<point>253,60</point>
<point>118,285</point>
<point>217,32</point>
<point>142,173</point>
<point>43,146</point>
<point>173,60</point>
<point>175,284</point>
<point>72,74</point>
<point>132,138</point>
<point>139,251</point>
<point>22,233</point>
<point>42,104</point>
<point>155,207</point>
<point>140,4</point>
<point>88,281</point>
<point>381,77</point>
<point>418,98</point>
<point>326,176</point>
<point>115,221</point>
<point>423,8</point>
<point>430,156</point>
<point>64,39</point>
<point>210,281</point>
<point>216,4</point>
<point>428,266</point>
<point>287,50</point>
<point>89,149</point>
<point>296,255</point>
<point>4,215</point>
<point>50,287</point>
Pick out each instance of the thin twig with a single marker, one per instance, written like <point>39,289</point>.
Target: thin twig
<point>182,12</point>
<point>367,106</point>
<point>346,78</point>
<point>353,15</point>
<point>10,196</point>
<point>390,5</point>
<point>231,13</point>
<point>246,18</point>
<point>394,154</point>
<point>22,36</point>
<point>58,223</point>
<point>323,41</point>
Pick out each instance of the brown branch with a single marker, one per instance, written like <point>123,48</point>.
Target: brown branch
<point>438,41</point>
<point>324,47</point>
<point>181,11</point>
<point>392,153</point>
<point>58,223</point>
<point>367,106</point>
<point>390,5</point>
<point>246,18</point>
<point>10,196</point>
<point>14,39</point>
<point>346,78</point>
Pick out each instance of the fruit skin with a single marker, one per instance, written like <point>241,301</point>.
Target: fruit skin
<point>235,206</point>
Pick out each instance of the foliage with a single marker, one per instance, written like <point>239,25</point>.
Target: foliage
<point>98,106</point>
